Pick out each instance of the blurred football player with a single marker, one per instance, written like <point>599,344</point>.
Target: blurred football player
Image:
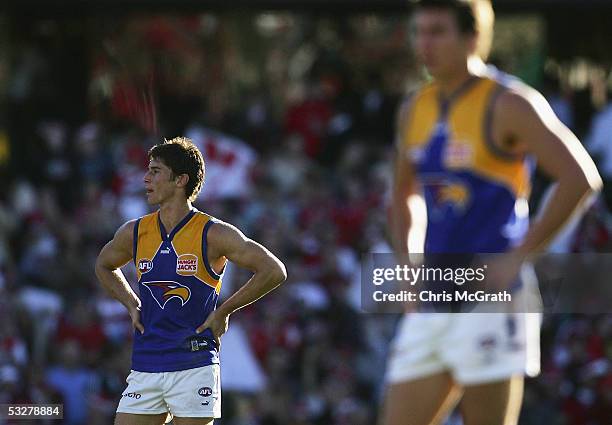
<point>466,142</point>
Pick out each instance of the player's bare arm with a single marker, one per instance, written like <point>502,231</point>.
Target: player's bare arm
<point>523,117</point>
<point>408,210</point>
<point>114,255</point>
<point>227,242</point>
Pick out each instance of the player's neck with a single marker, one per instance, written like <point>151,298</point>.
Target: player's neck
<point>172,212</point>
<point>450,83</point>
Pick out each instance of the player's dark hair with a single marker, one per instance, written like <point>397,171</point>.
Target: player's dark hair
<point>464,11</point>
<point>182,157</point>
<point>473,17</point>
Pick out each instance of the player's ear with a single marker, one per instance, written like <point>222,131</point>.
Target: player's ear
<point>181,180</point>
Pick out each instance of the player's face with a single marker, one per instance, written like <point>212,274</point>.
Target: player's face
<point>438,44</point>
<point>159,182</point>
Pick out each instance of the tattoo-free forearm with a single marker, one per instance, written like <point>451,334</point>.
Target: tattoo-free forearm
<point>256,287</point>
<point>115,283</point>
<point>567,197</point>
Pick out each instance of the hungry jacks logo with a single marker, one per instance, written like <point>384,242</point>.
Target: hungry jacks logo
<point>187,265</point>
<point>163,292</point>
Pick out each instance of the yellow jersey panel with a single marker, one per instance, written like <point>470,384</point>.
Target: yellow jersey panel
<point>147,241</point>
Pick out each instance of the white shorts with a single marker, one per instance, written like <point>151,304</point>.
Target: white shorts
<point>475,348</point>
<point>191,393</point>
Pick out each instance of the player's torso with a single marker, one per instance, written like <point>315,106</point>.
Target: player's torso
<point>475,193</point>
<point>178,290</point>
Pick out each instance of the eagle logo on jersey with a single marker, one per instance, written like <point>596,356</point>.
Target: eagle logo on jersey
<point>455,194</point>
<point>163,292</point>
<point>448,196</point>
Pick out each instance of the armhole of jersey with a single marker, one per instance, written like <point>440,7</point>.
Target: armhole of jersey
<point>209,268</point>
<point>488,128</point>
<point>135,240</point>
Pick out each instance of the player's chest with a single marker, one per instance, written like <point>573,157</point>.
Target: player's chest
<point>447,148</point>
<point>172,260</point>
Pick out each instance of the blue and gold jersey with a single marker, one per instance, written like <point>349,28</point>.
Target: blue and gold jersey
<point>476,194</point>
<point>178,290</point>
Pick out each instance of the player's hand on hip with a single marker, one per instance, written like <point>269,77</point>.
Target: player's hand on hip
<point>502,271</point>
<point>135,315</point>
<point>217,322</point>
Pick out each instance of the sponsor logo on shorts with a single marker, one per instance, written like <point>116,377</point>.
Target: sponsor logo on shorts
<point>187,265</point>
<point>132,395</point>
<point>511,327</point>
<point>205,391</point>
<point>488,352</point>
<point>145,265</point>
<point>488,342</point>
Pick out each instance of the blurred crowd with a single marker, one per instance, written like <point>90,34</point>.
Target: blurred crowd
<point>298,157</point>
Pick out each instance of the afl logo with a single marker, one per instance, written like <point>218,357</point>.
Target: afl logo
<point>145,265</point>
<point>205,391</point>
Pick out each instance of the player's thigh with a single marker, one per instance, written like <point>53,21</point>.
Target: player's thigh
<point>193,421</point>
<point>131,419</point>
<point>423,401</point>
<point>494,403</point>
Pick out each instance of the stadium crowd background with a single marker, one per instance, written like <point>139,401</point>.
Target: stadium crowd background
<point>294,116</point>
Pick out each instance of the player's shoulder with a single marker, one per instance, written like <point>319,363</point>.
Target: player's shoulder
<point>514,97</point>
<point>422,90</point>
<point>222,237</point>
<point>520,99</point>
<point>513,92</point>
<point>207,220</point>
<point>125,233</point>
<point>145,222</point>
<point>519,108</point>
<point>220,230</point>
<point>408,101</point>
<point>127,229</point>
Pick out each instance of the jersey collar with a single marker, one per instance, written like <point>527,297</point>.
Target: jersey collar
<point>168,236</point>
